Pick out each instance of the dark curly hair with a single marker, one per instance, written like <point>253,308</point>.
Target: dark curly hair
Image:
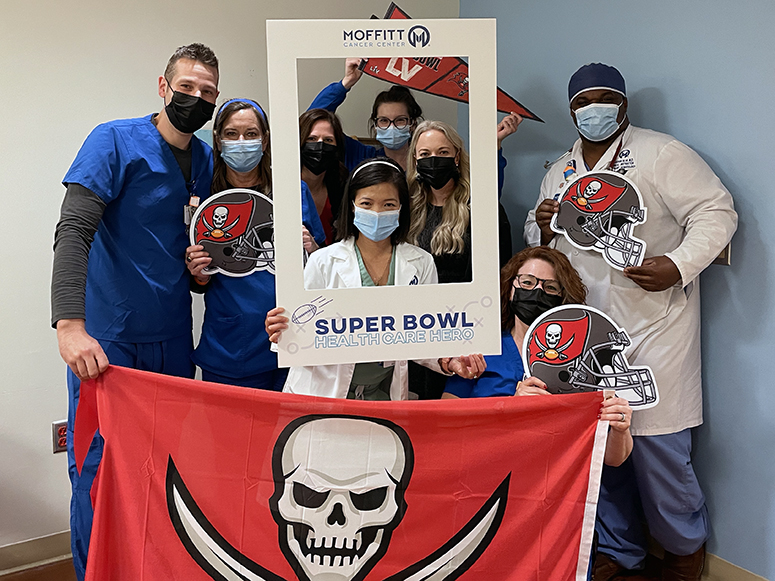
<point>396,94</point>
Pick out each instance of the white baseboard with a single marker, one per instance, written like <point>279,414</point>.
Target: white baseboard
<point>717,569</point>
<point>34,552</point>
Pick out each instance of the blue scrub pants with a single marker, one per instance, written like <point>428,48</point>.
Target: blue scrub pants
<point>657,483</point>
<point>172,357</point>
<point>273,380</point>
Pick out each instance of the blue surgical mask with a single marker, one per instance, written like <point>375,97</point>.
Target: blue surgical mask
<point>597,122</point>
<point>241,155</point>
<point>392,137</point>
<point>376,226</point>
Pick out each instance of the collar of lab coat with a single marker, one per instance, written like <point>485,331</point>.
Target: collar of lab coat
<point>344,262</point>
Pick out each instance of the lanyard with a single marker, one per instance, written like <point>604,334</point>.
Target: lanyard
<point>610,165</point>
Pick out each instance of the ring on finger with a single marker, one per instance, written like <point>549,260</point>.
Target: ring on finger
<point>623,417</point>
<point>188,258</point>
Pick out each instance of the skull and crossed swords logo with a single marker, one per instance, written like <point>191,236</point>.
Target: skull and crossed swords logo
<point>587,197</point>
<point>553,350</point>
<point>340,484</point>
<point>219,229</point>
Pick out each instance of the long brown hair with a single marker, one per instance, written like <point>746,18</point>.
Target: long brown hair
<point>219,166</point>
<point>334,180</point>
<point>573,289</point>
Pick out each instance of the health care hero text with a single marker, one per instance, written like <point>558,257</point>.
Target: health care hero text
<point>360,331</point>
<point>368,38</point>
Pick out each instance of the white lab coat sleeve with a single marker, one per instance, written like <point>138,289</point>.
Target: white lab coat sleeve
<point>700,204</point>
<point>532,232</point>
<point>315,272</point>
<point>429,274</point>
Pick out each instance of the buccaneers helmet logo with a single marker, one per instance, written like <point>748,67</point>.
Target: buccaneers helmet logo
<point>236,227</point>
<point>598,212</point>
<point>576,348</point>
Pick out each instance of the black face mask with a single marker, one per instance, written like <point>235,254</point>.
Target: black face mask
<point>318,156</point>
<point>528,305</point>
<point>436,171</point>
<point>188,113</point>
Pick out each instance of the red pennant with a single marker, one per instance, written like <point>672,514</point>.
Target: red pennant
<point>442,76</point>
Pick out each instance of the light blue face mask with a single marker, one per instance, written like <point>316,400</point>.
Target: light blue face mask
<point>241,155</point>
<point>376,226</point>
<point>392,137</point>
<point>597,122</point>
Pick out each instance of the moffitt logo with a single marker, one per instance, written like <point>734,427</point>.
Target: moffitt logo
<point>384,37</point>
<point>419,35</point>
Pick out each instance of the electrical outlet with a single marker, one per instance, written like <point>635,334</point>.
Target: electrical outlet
<point>59,435</point>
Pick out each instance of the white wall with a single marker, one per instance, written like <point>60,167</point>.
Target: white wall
<point>66,67</point>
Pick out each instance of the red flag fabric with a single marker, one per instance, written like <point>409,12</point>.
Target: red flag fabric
<point>202,481</point>
<point>442,76</point>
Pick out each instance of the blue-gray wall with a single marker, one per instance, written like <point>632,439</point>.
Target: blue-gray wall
<point>705,73</point>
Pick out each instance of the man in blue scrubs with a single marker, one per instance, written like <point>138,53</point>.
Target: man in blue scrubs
<point>120,288</point>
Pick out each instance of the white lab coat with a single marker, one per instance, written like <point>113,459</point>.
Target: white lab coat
<point>690,219</point>
<point>336,266</point>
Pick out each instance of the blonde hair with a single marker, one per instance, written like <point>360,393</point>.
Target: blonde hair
<point>449,236</point>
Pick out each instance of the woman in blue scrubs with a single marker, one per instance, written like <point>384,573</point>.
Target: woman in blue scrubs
<point>234,347</point>
<point>534,281</point>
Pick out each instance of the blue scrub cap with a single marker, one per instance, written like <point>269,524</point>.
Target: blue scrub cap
<point>253,104</point>
<point>595,76</point>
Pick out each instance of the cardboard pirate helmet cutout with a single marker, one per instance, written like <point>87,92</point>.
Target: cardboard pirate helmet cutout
<point>598,211</point>
<point>575,348</point>
<point>236,228</point>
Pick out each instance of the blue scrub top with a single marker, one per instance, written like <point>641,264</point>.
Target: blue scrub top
<point>503,373</point>
<point>234,342</point>
<point>137,285</point>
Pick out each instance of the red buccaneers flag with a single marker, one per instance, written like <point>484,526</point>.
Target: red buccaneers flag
<point>442,76</point>
<point>202,481</point>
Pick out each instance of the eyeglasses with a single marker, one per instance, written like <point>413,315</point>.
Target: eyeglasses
<point>529,282</point>
<point>399,122</point>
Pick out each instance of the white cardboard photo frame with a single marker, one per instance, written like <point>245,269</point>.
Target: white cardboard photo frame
<point>417,312</point>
